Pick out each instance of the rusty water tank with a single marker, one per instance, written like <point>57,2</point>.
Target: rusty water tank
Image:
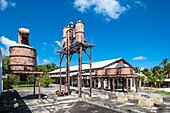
<point>22,55</point>
<point>79,32</point>
<point>65,29</point>
<point>68,32</point>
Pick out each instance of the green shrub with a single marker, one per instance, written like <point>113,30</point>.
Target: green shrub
<point>46,80</point>
<point>5,84</point>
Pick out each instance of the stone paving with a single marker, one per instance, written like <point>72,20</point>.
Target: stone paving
<point>22,101</point>
<point>109,100</point>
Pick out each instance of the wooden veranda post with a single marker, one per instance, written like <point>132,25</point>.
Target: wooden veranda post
<point>113,84</point>
<point>136,81</point>
<point>127,85</point>
<point>90,70</point>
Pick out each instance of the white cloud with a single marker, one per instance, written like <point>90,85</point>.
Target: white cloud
<point>4,4</point>
<point>7,43</point>
<point>58,43</point>
<point>110,9</point>
<point>82,5</point>
<point>44,43</point>
<point>139,58</point>
<point>13,4</point>
<point>4,52</point>
<point>140,4</point>
<point>45,61</point>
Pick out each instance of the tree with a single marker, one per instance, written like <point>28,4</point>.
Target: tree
<point>46,80</point>
<point>158,74</point>
<point>137,70</point>
<point>14,79</point>
<point>149,75</point>
<point>42,68</point>
<point>145,70</point>
<point>5,64</point>
<point>47,67</point>
<point>167,72</point>
<point>164,62</point>
<point>166,67</point>
<point>30,79</point>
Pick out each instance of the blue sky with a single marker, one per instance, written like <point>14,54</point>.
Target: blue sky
<point>136,30</point>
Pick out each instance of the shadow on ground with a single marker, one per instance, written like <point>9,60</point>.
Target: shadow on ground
<point>12,103</point>
<point>29,97</point>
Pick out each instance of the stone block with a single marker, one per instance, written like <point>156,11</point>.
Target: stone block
<point>120,94</point>
<point>122,99</point>
<point>45,101</point>
<point>74,93</point>
<point>136,96</point>
<point>157,100</point>
<point>104,96</point>
<point>50,100</point>
<point>145,102</point>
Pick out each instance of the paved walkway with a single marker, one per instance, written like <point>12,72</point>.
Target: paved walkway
<point>23,101</point>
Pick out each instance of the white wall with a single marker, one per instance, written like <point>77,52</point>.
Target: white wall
<point>1,86</point>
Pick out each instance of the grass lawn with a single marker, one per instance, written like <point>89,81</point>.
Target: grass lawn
<point>162,92</point>
<point>24,86</point>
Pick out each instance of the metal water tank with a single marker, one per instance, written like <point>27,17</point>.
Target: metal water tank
<point>68,32</point>
<point>79,31</point>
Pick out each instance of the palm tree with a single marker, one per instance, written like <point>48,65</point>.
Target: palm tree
<point>137,70</point>
<point>53,65</point>
<point>145,70</point>
<point>158,72</point>
<point>164,62</point>
<point>168,70</point>
<point>42,68</point>
<point>47,67</point>
<point>149,76</point>
<point>166,67</point>
<point>141,78</point>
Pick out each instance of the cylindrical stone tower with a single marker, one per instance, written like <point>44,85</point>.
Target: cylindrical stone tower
<point>22,56</point>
